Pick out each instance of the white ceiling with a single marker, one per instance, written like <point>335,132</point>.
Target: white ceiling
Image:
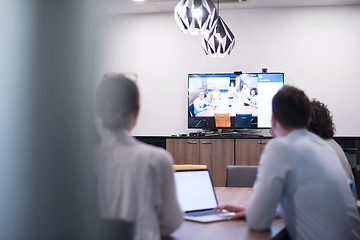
<point>158,6</point>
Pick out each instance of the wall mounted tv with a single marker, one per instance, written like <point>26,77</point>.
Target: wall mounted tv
<point>233,101</point>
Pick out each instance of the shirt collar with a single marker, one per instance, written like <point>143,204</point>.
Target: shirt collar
<point>297,132</point>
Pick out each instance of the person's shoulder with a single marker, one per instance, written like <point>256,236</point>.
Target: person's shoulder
<point>154,153</point>
<point>321,142</point>
<point>276,146</point>
<point>336,147</point>
<point>277,142</point>
<point>279,146</point>
<point>333,144</point>
<point>277,152</point>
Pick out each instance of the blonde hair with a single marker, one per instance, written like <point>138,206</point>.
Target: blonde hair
<point>117,97</point>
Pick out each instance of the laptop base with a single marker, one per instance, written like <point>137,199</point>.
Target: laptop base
<point>208,216</point>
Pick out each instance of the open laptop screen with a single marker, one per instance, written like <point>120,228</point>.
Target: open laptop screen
<point>194,190</point>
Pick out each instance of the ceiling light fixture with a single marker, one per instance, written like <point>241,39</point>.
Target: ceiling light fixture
<point>219,41</point>
<point>194,16</point>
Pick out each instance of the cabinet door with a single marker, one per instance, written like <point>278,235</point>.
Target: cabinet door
<point>184,151</point>
<point>248,151</point>
<point>217,154</point>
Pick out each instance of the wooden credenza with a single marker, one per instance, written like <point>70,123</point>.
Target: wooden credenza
<point>216,153</point>
<point>248,151</point>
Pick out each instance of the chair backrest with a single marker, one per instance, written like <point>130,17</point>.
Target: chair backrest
<point>191,110</point>
<point>112,229</point>
<point>243,120</point>
<point>210,94</point>
<point>222,119</point>
<point>240,176</point>
<point>189,167</point>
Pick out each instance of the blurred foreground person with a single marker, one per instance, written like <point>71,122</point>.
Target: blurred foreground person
<point>135,180</point>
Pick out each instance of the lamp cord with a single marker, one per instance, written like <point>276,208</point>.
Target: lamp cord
<point>218,2</point>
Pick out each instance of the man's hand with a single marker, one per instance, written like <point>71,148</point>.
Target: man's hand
<point>239,211</point>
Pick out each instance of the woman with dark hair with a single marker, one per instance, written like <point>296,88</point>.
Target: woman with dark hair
<point>321,123</point>
<point>253,97</point>
<point>135,180</point>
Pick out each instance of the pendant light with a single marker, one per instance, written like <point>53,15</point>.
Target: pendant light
<point>194,16</point>
<point>219,41</point>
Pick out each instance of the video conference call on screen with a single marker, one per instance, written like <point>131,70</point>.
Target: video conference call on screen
<point>244,98</point>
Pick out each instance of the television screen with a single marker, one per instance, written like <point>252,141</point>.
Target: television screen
<point>232,101</point>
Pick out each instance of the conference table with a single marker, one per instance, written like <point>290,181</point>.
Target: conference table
<point>233,229</point>
<point>233,106</point>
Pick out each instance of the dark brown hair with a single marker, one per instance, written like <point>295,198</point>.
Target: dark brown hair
<point>255,89</point>
<point>321,122</point>
<point>116,98</point>
<point>291,107</point>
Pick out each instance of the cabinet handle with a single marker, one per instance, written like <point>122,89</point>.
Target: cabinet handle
<point>206,143</point>
<point>191,142</point>
<point>262,142</point>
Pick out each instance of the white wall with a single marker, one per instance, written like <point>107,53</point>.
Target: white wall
<point>318,49</point>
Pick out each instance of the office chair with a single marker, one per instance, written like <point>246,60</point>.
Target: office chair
<point>112,229</point>
<point>222,119</point>
<point>210,95</point>
<point>191,110</point>
<point>189,167</point>
<point>240,176</point>
<point>243,120</point>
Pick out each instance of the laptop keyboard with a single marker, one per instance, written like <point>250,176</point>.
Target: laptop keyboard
<point>208,216</point>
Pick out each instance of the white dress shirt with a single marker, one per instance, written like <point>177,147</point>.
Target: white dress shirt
<point>245,93</point>
<point>253,99</point>
<point>136,183</point>
<point>301,172</point>
<point>232,91</point>
<point>199,105</point>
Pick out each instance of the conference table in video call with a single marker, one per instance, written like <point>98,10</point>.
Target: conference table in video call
<point>233,106</point>
<point>229,230</point>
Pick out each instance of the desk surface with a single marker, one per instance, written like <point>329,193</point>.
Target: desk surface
<point>234,229</point>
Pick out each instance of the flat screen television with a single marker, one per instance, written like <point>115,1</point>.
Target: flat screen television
<point>232,101</point>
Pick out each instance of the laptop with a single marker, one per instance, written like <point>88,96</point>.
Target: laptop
<point>196,196</point>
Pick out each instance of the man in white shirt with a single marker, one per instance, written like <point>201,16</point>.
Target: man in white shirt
<point>245,91</point>
<point>200,103</point>
<point>299,171</point>
<point>232,90</point>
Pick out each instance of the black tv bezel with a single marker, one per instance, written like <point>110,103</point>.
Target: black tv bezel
<point>234,74</point>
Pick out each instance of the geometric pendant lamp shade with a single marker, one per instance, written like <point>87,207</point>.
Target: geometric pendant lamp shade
<point>219,41</point>
<point>195,16</point>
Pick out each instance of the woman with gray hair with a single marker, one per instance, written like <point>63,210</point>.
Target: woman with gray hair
<point>135,180</point>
